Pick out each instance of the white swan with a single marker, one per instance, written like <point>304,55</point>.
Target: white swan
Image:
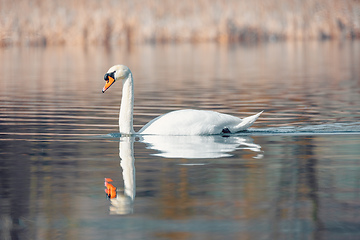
<point>181,122</point>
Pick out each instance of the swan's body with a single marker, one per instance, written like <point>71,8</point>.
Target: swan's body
<point>181,122</point>
<point>196,122</point>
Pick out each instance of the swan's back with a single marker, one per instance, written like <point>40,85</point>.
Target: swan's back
<point>193,122</point>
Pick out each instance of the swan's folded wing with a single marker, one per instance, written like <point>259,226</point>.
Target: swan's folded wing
<point>194,122</point>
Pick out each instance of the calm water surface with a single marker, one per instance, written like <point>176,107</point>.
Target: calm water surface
<point>294,175</point>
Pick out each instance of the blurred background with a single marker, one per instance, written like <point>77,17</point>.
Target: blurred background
<point>81,22</point>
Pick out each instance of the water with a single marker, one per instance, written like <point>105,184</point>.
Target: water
<point>294,175</point>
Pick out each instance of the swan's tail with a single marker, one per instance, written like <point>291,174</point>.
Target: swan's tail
<point>247,122</point>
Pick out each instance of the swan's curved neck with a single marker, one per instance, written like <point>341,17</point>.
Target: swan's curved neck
<point>126,107</point>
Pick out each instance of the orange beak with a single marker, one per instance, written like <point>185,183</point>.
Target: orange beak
<point>108,83</point>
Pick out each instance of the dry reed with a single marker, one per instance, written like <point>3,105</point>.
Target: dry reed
<point>80,22</point>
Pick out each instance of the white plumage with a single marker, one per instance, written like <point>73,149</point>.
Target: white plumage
<point>181,122</point>
<point>196,122</point>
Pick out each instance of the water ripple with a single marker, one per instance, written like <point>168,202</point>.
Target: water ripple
<point>332,128</point>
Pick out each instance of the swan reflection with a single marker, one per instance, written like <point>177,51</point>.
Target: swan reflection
<point>191,147</point>
<point>213,146</point>
<point>122,203</point>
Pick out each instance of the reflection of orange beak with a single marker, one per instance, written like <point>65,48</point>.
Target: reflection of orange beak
<point>110,189</point>
<point>108,83</point>
<point>108,180</point>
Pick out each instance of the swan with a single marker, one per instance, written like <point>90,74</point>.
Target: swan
<point>180,122</point>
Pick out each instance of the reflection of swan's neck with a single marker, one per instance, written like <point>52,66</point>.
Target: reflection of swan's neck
<point>126,107</point>
<point>127,161</point>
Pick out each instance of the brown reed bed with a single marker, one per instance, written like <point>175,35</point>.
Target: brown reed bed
<point>82,22</point>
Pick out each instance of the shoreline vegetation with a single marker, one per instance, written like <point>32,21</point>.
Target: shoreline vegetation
<point>110,22</point>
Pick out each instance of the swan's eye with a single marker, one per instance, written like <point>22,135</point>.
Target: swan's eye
<point>107,75</point>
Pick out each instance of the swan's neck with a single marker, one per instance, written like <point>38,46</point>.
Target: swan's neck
<point>126,107</point>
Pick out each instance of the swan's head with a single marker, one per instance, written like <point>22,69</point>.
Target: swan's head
<point>115,72</point>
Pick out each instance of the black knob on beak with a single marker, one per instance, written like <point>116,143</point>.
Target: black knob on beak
<point>107,75</point>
